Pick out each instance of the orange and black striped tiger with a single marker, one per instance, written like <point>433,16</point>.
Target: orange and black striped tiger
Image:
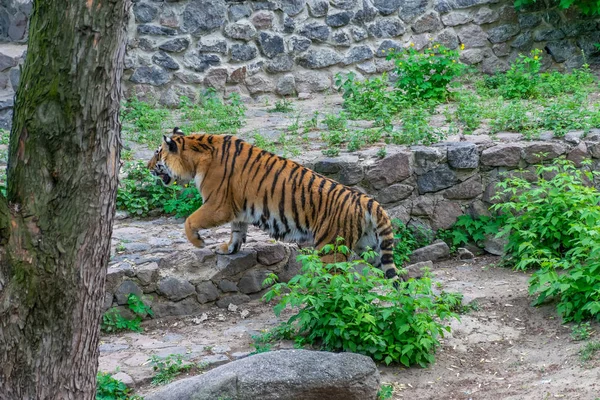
<point>243,184</point>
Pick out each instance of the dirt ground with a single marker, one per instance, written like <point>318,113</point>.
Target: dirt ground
<point>506,349</point>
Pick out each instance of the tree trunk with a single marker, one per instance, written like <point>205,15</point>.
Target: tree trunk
<point>56,222</point>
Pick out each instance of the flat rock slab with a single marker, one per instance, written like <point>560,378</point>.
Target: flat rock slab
<point>282,375</point>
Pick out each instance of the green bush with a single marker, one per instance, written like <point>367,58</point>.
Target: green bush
<point>167,368</point>
<point>109,388</point>
<point>554,225</point>
<point>148,121</point>
<point>140,192</point>
<point>212,114</point>
<point>408,239</point>
<point>113,321</point>
<point>428,74</point>
<point>341,309</point>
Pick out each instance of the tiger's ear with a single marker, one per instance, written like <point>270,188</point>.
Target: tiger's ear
<point>177,131</point>
<point>171,143</point>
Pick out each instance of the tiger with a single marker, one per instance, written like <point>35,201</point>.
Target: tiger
<point>242,184</point>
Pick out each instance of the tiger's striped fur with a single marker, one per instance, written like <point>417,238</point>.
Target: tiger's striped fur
<point>243,184</point>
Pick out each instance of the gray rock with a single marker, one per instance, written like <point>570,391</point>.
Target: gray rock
<point>318,8</point>
<point>263,19</point>
<point>366,68</point>
<point>466,190</point>
<point>201,62</point>
<point>271,5</point>
<point>153,75</point>
<point>252,281</point>
<point>437,179</point>
<point>471,56</point>
<point>387,7</point>
<point>214,360</point>
<point>204,16</point>
<point>426,158</point>
<point>503,33</point>
<point>485,16</point>
<point>164,60</point>
<point>358,54</point>
<point>243,52</point>
<point>227,286</point>
<point>286,85</point>
<point>578,154</point>
<point>270,44</point>
<point>144,12</point>
<point>536,152</point>
<point>6,117</point>
<point>562,50</point>
<point>344,4</point>
<point>156,30</point>
<point>386,46</point>
<point>147,273</point>
<point>455,18</point>
<point>289,24</point>
<point>358,34</point>
<point>391,169</point>
<point>269,254</point>
<point>464,254</point>
<point>448,38</point>
<point>434,252</point>
<point>575,29</point>
<point>341,38</point>
<point>312,81</point>
<point>280,63</point>
<point>216,78</point>
<point>417,270</point>
<point>428,22</point>
<point>319,58</point>
<point>528,21</point>
<point>239,11</point>
<point>523,42</point>
<point>125,289</point>
<point>299,44</point>
<point>283,374</point>
<point>394,193</point>
<point>495,245</point>
<point>544,34</point>
<point>473,36</point>
<point>338,19</point>
<point>186,306</point>
<point>502,155</point>
<point>242,30</point>
<point>212,46</point>
<point>445,214</point>
<point>232,264</point>
<point>492,64</point>
<point>501,49</point>
<point>293,7</point>
<point>366,14</point>
<point>175,289</point>
<point>235,299</point>
<point>257,84</point>
<point>206,292</point>
<point>410,9</point>
<point>463,155</point>
<point>175,45</point>
<point>315,31</point>
<point>386,28</point>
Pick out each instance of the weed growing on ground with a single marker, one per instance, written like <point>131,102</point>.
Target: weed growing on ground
<point>263,142</point>
<point>114,321</point>
<point>147,120</point>
<point>167,368</point>
<point>581,331</point>
<point>4,137</point>
<point>385,392</point>
<point>109,388</point>
<point>588,351</point>
<point>212,114</point>
<point>282,106</point>
<point>338,308</point>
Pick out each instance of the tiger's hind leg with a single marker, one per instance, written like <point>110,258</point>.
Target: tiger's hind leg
<point>238,237</point>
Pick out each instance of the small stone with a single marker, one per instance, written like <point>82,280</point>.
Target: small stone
<point>358,34</point>
<point>286,85</point>
<point>227,286</point>
<point>394,193</point>
<point>463,156</point>
<point>495,245</point>
<point>391,169</point>
<point>240,30</point>
<point>417,270</point>
<point>336,20</point>
<point>147,273</point>
<point>536,152</point>
<point>561,51</point>
<point>257,84</point>
<point>428,22</point>
<point>144,12</point>
<point>125,289</point>
<point>153,75</point>
<point>456,18</point>
<point>216,78</point>
<point>318,8</point>
<point>312,81</point>
<point>544,34</point>
<point>201,62</point>
<point>156,30</point>
<point>263,20</point>
<point>315,31</point>
<point>270,44</point>
<point>204,16</point>
<point>464,254</point>
<point>164,60</point>
<point>214,360</point>
<point>358,54</point>
<point>445,215</point>
<point>280,63</point>
<point>289,24</point>
<point>175,45</point>
<point>341,38</point>
<point>206,292</point>
<point>239,11</point>
<point>175,289</point>
<point>387,7</point>
<point>448,38</point>
<point>292,7</point>
<point>528,21</point>
<point>410,9</point>
<point>212,46</point>
<point>299,44</point>
<point>126,379</point>
<point>232,307</point>
<point>319,58</point>
<point>387,28</point>
<point>252,282</point>
<point>473,36</point>
<point>243,52</point>
<point>434,252</point>
<point>344,4</point>
<point>386,47</point>
<point>578,154</point>
<point>485,16</point>
<point>236,299</point>
<point>366,14</point>
<point>471,56</point>
<point>244,314</point>
<point>502,155</point>
<point>441,177</point>
<point>426,158</point>
<point>503,33</point>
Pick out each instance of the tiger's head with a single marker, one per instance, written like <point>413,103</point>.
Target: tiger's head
<point>168,162</point>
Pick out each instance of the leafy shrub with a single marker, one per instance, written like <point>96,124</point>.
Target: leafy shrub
<point>554,225</point>
<point>212,115</point>
<point>147,120</point>
<point>339,308</point>
<point>426,75</point>
<point>566,114</point>
<point>515,116</point>
<point>408,239</point>
<point>167,368</point>
<point>109,388</point>
<point>113,321</point>
<point>416,128</point>
<point>140,192</point>
<point>470,230</point>
<point>468,111</point>
<point>587,7</point>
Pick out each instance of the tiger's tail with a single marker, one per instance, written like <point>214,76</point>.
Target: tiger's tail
<point>385,234</point>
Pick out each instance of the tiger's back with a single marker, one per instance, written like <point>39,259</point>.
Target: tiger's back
<point>243,184</point>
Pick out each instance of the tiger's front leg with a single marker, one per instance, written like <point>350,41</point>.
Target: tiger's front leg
<point>238,237</point>
<point>204,218</point>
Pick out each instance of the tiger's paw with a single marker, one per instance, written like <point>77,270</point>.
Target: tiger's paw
<point>228,248</point>
<point>197,241</point>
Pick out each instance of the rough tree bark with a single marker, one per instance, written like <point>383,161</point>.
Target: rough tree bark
<point>56,222</point>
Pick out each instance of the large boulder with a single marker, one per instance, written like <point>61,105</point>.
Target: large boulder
<point>282,375</point>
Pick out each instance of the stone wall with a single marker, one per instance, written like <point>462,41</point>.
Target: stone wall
<point>425,187</point>
<point>293,47</point>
